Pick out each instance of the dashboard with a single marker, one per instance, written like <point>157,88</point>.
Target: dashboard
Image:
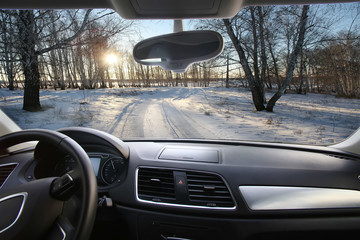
<point>193,189</point>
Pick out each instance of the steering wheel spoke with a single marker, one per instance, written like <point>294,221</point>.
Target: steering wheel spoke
<point>27,210</point>
<point>62,230</point>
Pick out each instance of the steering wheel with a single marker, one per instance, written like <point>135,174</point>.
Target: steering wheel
<point>36,209</point>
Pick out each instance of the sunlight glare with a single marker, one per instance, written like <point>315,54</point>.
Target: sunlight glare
<point>111,59</point>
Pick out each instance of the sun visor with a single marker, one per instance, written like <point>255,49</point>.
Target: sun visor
<point>190,7</point>
<point>176,9</point>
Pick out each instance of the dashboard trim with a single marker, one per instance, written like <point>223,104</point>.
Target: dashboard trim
<point>284,146</point>
<point>299,198</point>
<point>122,147</point>
<point>62,232</point>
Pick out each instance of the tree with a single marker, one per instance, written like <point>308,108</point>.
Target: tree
<point>28,27</point>
<point>255,83</point>
<point>29,59</point>
<point>256,21</point>
<point>334,59</point>
<point>262,45</point>
<point>8,44</point>
<point>292,60</point>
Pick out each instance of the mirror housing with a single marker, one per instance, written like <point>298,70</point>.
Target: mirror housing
<point>177,51</point>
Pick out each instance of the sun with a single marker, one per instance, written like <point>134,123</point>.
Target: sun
<point>111,59</point>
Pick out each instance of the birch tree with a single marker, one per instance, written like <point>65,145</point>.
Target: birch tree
<point>7,46</point>
<point>256,83</point>
<point>29,26</point>
<point>235,33</point>
<point>292,59</point>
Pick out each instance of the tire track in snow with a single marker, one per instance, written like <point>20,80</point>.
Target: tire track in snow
<point>178,122</point>
<point>133,123</point>
<point>117,121</point>
<point>129,123</point>
<point>154,118</point>
<point>167,118</point>
<point>155,124</point>
<point>196,127</point>
<point>160,117</point>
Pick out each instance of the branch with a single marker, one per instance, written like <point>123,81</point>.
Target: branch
<point>95,19</point>
<point>334,40</point>
<point>67,40</point>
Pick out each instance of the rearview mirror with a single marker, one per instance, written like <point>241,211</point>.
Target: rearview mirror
<point>179,50</point>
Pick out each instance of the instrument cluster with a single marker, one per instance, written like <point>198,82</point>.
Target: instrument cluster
<point>109,169</point>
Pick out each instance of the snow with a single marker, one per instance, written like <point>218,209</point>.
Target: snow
<point>179,112</point>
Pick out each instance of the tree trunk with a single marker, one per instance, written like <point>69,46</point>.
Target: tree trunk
<point>292,60</point>
<point>227,73</point>
<point>275,65</point>
<point>301,73</point>
<point>259,82</point>
<point>262,45</point>
<point>7,47</point>
<point>268,78</point>
<point>26,26</point>
<point>256,90</point>
<point>255,49</point>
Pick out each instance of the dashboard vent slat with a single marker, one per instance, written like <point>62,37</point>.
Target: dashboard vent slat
<point>156,185</point>
<point>5,171</point>
<point>208,190</point>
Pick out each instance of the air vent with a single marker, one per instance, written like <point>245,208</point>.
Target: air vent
<point>183,188</point>
<point>208,190</point>
<point>5,171</point>
<point>156,185</point>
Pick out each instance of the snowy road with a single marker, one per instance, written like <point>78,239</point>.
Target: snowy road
<point>190,112</point>
<point>157,116</point>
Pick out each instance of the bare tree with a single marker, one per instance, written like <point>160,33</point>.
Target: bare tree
<point>8,43</point>
<point>292,60</point>
<point>30,24</point>
<point>256,20</point>
<point>255,83</point>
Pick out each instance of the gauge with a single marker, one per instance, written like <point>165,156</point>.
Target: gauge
<point>112,170</point>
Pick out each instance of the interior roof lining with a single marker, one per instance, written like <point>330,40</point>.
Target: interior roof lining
<point>228,8</point>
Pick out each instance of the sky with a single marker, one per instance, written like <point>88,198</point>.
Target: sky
<point>152,28</point>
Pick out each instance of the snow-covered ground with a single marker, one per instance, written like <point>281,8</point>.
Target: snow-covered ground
<point>213,113</point>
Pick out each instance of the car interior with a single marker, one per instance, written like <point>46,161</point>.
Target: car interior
<point>82,183</point>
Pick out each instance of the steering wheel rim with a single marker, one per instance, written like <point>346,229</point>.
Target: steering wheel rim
<point>84,176</point>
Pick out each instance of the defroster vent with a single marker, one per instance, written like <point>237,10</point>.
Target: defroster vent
<point>156,185</point>
<point>209,190</point>
<point>5,171</point>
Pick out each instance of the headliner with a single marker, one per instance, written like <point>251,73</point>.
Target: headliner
<point>158,9</point>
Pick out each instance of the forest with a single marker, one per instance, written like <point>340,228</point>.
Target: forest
<point>284,48</point>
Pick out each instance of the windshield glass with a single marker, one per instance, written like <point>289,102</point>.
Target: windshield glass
<point>287,74</point>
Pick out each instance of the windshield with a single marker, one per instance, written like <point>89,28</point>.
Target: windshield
<point>287,74</point>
